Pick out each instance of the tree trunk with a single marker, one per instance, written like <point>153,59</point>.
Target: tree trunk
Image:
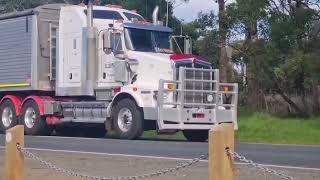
<point>316,97</point>
<point>289,101</point>
<point>223,30</point>
<point>255,100</point>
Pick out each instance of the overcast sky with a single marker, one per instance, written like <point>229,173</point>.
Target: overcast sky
<point>189,11</point>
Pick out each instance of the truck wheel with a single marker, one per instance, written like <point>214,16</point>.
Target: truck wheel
<point>127,119</point>
<point>33,123</point>
<point>8,116</point>
<point>196,135</point>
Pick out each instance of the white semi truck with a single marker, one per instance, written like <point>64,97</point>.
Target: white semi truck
<point>104,68</point>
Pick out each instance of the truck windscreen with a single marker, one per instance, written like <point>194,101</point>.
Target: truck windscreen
<point>131,16</point>
<point>105,14</point>
<point>147,40</point>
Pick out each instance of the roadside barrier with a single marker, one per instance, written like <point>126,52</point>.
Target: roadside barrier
<point>221,159</point>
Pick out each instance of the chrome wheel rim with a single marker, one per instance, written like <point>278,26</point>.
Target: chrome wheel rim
<point>30,117</point>
<point>124,119</point>
<point>7,116</point>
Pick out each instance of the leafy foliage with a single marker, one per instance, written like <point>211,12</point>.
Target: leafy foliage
<point>286,56</point>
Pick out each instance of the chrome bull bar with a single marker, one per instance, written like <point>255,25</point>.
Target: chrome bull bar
<point>196,100</point>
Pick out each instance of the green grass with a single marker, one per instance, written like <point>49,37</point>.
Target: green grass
<point>265,128</point>
<point>154,135</point>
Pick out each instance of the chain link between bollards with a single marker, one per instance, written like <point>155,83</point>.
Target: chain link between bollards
<point>258,166</point>
<point>67,172</point>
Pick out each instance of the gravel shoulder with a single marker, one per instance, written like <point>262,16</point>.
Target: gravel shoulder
<point>114,166</point>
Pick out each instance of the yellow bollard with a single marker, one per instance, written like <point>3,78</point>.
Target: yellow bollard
<point>14,159</point>
<point>221,165</point>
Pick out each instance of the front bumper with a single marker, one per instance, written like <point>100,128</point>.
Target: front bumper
<point>173,118</point>
<point>189,108</point>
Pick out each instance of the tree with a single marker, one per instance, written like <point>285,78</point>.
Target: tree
<point>298,50</point>
<point>244,17</point>
<point>207,39</point>
<point>19,5</point>
<point>224,62</point>
<point>277,50</point>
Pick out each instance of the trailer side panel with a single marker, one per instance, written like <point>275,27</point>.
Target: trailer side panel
<point>15,52</point>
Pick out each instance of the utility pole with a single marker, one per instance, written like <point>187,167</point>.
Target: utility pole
<point>146,9</point>
<point>167,21</point>
<point>28,5</point>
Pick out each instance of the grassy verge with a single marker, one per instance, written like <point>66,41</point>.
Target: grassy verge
<point>264,128</point>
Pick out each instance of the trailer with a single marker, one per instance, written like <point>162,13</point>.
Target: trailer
<point>104,68</point>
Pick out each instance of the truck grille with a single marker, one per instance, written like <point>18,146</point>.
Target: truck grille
<point>198,84</point>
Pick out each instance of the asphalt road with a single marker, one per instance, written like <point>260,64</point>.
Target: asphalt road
<point>281,155</point>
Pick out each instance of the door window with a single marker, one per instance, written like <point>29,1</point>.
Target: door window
<point>116,43</point>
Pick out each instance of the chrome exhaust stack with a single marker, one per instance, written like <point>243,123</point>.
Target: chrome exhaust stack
<point>91,73</point>
<point>155,15</point>
<point>90,14</point>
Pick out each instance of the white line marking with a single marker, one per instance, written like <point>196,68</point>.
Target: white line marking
<point>160,157</point>
<point>294,145</point>
<point>64,137</point>
<point>285,167</point>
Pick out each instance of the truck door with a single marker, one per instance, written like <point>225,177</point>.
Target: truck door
<point>107,60</point>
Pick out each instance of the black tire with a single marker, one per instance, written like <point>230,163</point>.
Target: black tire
<point>196,135</point>
<point>7,107</point>
<point>39,126</point>
<point>135,130</point>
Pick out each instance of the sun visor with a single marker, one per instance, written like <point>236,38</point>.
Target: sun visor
<point>150,27</point>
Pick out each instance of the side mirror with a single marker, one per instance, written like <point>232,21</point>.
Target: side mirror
<point>107,41</point>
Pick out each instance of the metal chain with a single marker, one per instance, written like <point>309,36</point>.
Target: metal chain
<point>163,172</point>
<point>258,166</point>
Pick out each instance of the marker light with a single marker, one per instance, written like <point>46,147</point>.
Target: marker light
<point>226,88</point>
<point>170,86</point>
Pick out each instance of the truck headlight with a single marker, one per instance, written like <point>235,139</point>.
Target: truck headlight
<point>210,98</point>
